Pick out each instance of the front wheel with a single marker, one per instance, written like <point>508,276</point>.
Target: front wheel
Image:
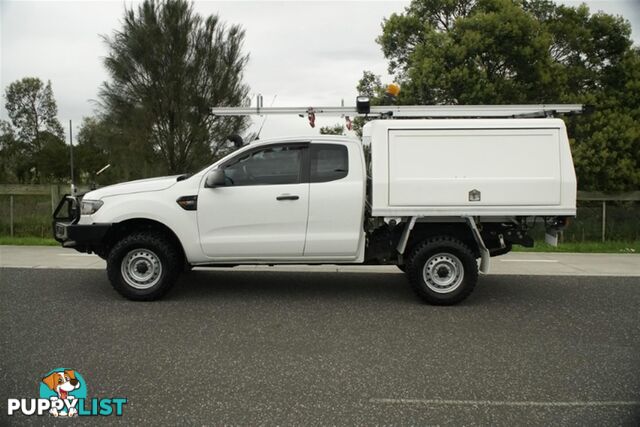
<point>143,266</point>
<point>442,270</point>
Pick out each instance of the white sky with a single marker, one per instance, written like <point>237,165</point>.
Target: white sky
<point>306,53</point>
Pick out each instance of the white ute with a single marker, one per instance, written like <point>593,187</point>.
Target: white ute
<point>434,197</point>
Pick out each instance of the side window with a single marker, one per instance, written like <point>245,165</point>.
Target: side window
<point>329,162</point>
<point>269,166</point>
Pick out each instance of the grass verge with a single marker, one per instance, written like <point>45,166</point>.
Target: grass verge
<point>27,241</point>
<point>616,247</point>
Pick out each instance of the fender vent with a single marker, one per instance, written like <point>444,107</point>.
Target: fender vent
<point>188,203</point>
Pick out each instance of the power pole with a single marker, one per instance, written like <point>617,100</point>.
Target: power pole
<point>73,186</point>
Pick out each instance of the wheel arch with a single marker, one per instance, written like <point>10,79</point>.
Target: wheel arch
<point>426,230</point>
<point>123,228</point>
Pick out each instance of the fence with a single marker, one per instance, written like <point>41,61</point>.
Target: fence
<point>618,204</point>
<point>25,210</point>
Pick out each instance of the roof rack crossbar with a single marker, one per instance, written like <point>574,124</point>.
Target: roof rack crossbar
<point>414,111</point>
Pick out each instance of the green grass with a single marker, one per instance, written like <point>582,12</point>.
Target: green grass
<point>27,241</point>
<point>584,247</point>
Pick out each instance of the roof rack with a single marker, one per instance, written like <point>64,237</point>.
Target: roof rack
<point>412,111</point>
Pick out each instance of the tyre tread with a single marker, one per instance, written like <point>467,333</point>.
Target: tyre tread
<point>414,270</point>
<point>156,240</point>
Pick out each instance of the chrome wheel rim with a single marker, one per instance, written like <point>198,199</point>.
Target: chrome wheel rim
<point>443,273</point>
<point>141,268</point>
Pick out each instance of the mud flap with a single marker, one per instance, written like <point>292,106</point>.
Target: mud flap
<point>485,256</point>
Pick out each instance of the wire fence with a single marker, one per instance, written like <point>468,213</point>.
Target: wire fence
<point>617,216</point>
<point>611,220</point>
<point>25,211</point>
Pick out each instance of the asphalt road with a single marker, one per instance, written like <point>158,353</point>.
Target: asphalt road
<point>250,347</point>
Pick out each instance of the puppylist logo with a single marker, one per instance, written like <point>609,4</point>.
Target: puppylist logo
<point>63,393</point>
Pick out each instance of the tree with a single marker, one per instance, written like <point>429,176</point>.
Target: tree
<point>526,51</point>
<point>369,85</point>
<point>336,129</point>
<point>97,147</point>
<point>8,169</point>
<point>606,144</point>
<point>32,143</point>
<point>32,109</point>
<point>52,159</point>
<point>168,67</point>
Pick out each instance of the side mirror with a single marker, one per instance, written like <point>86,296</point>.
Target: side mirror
<point>215,179</point>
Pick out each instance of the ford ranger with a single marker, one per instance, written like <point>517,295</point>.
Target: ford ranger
<point>433,197</point>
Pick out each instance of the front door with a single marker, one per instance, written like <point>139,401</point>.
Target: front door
<point>262,210</point>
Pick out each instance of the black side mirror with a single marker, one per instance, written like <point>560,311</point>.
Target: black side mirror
<point>215,179</point>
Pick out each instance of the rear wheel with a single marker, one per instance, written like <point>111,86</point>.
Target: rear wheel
<point>442,270</point>
<point>143,266</point>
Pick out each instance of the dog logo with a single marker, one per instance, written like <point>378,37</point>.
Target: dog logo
<point>65,385</point>
<point>63,393</point>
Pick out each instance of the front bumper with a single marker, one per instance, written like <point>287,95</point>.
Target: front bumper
<point>67,231</point>
<point>80,235</point>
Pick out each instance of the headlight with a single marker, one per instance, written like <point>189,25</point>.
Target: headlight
<point>89,207</point>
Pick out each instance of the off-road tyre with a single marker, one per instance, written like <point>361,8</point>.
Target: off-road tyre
<point>444,254</point>
<point>149,247</point>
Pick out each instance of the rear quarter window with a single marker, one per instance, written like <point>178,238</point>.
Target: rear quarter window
<point>329,162</point>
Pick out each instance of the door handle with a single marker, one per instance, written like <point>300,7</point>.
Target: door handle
<point>287,197</point>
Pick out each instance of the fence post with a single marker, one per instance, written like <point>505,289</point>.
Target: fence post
<point>11,214</point>
<point>55,196</point>
<point>604,219</point>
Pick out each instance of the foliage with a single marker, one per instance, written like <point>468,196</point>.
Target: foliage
<point>52,159</point>
<point>606,145</point>
<point>525,51</point>
<point>369,85</point>
<point>168,67</point>
<point>32,109</point>
<point>8,164</point>
<point>97,146</point>
<point>336,129</point>
<point>32,147</point>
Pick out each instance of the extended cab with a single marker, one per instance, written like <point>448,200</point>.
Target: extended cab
<point>430,196</point>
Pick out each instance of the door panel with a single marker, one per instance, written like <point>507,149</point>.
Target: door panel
<point>262,210</point>
<point>336,201</point>
<point>249,221</point>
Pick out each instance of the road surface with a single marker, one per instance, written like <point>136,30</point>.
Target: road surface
<point>341,348</point>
